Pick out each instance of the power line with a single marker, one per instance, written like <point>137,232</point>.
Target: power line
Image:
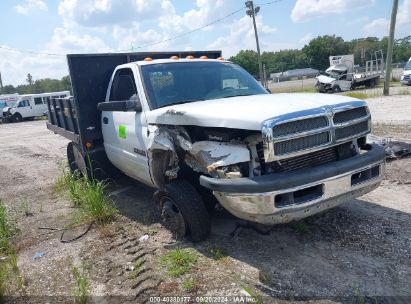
<point>268,3</point>
<point>189,32</point>
<point>28,52</point>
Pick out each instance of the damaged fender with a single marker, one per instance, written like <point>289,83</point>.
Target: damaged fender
<point>202,156</point>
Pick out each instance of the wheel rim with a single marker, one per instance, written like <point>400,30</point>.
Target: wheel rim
<point>172,218</point>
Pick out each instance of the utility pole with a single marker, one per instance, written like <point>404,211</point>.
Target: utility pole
<point>1,85</point>
<point>252,12</point>
<point>390,48</point>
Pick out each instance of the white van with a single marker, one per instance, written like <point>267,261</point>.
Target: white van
<point>31,105</point>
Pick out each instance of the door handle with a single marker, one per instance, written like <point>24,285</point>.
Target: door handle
<point>105,120</point>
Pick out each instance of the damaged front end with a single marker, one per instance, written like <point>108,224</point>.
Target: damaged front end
<point>298,165</point>
<point>171,148</point>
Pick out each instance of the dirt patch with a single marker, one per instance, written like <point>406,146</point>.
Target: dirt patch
<point>362,248</point>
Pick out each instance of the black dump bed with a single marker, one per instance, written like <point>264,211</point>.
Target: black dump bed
<point>77,118</point>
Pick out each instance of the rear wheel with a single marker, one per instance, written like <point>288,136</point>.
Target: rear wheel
<point>75,158</point>
<point>183,211</point>
<point>17,117</point>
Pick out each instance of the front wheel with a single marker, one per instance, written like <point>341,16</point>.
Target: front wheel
<point>17,117</point>
<point>183,211</point>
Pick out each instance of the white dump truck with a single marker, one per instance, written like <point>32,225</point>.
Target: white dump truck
<point>200,129</point>
<point>341,75</point>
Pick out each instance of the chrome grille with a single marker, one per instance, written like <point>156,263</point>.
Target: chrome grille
<point>302,143</point>
<point>351,130</point>
<point>313,159</point>
<point>349,115</point>
<point>299,133</point>
<point>300,126</point>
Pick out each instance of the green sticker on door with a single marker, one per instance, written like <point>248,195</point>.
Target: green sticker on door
<point>122,131</point>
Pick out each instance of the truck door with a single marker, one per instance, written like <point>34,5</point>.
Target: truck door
<point>123,132</point>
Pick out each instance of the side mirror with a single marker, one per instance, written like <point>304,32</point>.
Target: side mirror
<point>268,90</point>
<point>120,106</point>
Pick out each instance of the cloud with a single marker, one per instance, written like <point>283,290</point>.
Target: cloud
<point>30,5</point>
<point>305,10</point>
<point>241,36</point>
<point>380,27</point>
<point>306,38</point>
<point>95,13</point>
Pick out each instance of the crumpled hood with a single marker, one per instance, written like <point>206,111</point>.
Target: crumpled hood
<point>241,112</point>
<point>406,72</point>
<point>325,79</point>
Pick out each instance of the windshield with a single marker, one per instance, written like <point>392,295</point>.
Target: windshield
<point>174,83</point>
<point>407,66</point>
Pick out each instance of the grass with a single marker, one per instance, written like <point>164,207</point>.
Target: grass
<point>257,298</point>
<point>190,285</point>
<point>7,230</point>
<point>179,261</point>
<point>89,196</point>
<point>359,95</point>
<point>81,292</point>
<point>9,266</point>
<point>25,206</point>
<point>137,267</point>
<point>302,228</point>
<point>359,295</point>
<point>217,253</point>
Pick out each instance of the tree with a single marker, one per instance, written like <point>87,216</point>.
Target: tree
<point>321,48</point>
<point>248,60</point>
<point>29,79</point>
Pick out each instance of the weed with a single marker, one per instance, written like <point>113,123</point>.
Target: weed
<point>403,92</point>
<point>358,95</point>
<point>94,205</point>
<point>360,296</point>
<point>3,279</point>
<point>82,286</point>
<point>88,195</point>
<point>217,253</point>
<point>257,298</point>
<point>302,227</point>
<point>41,207</point>
<point>7,229</point>
<point>179,261</point>
<point>190,285</point>
<point>137,268</point>
<point>25,206</point>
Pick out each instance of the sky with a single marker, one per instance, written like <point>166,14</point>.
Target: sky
<point>58,27</point>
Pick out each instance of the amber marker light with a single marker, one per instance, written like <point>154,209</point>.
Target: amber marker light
<point>203,57</point>
<point>148,59</point>
<point>174,57</point>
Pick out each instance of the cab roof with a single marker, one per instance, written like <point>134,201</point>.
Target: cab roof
<point>164,61</point>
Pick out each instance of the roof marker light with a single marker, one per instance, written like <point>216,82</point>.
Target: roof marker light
<point>148,59</point>
<point>220,58</point>
<point>174,57</point>
<point>190,57</point>
<point>203,57</point>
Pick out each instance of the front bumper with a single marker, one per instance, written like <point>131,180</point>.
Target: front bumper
<point>285,197</point>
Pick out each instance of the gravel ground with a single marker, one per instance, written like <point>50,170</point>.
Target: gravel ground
<point>358,250</point>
